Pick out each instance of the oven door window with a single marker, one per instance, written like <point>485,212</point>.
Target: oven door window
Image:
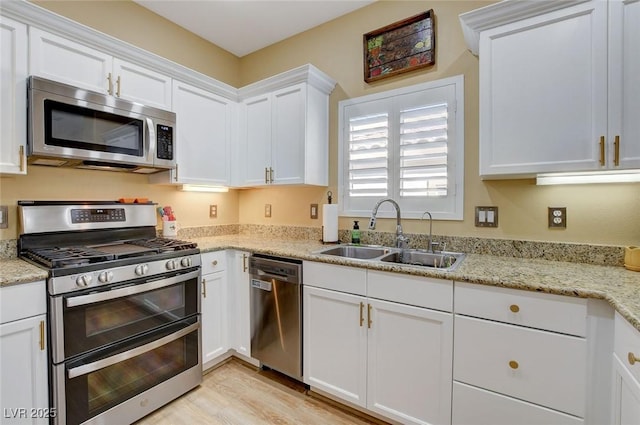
<point>91,322</point>
<point>72,126</point>
<point>108,377</point>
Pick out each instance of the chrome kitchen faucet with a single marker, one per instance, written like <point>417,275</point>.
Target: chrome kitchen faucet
<point>402,241</point>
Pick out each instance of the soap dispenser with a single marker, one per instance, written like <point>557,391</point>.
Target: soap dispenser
<point>355,233</point>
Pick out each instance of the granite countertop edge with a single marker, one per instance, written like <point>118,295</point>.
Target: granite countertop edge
<point>618,286</point>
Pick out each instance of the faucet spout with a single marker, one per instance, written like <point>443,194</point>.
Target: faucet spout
<point>401,240</point>
<point>430,241</point>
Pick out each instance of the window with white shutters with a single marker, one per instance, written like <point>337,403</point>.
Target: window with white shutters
<point>406,144</point>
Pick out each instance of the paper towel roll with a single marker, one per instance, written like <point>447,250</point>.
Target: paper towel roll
<point>330,223</point>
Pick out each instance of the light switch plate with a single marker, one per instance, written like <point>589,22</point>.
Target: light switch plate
<point>486,216</point>
<point>267,210</point>
<point>4,217</point>
<point>557,217</point>
<point>313,211</point>
<point>213,211</point>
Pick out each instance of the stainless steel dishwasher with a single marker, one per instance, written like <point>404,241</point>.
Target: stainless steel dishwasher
<point>276,313</point>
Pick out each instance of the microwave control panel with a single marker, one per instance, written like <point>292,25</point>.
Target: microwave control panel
<point>165,142</point>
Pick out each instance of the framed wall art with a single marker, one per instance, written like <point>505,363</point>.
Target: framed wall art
<point>400,47</point>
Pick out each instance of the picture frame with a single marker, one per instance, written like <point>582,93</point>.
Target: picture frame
<point>400,47</point>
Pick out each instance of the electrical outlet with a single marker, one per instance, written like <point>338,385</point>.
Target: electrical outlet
<point>4,217</point>
<point>558,217</point>
<point>213,211</point>
<point>486,216</point>
<point>267,210</point>
<point>313,211</point>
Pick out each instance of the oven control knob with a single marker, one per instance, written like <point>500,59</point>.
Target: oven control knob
<point>171,265</point>
<point>185,262</point>
<point>83,280</point>
<point>141,269</point>
<point>105,277</point>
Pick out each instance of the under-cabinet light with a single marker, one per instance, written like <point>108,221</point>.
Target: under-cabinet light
<point>628,176</point>
<point>203,188</point>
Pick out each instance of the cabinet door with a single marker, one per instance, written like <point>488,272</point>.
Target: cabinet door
<point>543,93</point>
<point>626,395</point>
<point>335,343</point>
<point>203,135</point>
<point>142,85</point>
<point>13,96</point>
<point>410,363</point>
<point>214,315</point>
<point>68,62</point>
<point>256,139</point>
<point>240,288</point>
<point>624,84</point>
<point>288,135</point>
<point>23,366</point>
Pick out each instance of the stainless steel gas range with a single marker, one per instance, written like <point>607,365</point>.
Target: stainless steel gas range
<point>123,308</point>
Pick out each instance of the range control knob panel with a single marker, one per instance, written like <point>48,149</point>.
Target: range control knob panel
<point>185,262</point>
<point>105,277</point>
<point>141,269</point>
<point>83,280</point>
<point>171,265</point>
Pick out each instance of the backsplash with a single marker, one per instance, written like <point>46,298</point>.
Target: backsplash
<point>607,255</point>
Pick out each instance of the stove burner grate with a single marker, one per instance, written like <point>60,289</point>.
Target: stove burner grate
<point>164,244</point>
<point>57,257</point>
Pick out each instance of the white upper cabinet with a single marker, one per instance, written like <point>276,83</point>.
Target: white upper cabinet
<point>60,59</point>
<point>556,86</point>
<point>284,130</point>
<point>13,96</point>
<point>204,125</point>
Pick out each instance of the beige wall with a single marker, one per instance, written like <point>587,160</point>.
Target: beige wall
<point>603,214</point>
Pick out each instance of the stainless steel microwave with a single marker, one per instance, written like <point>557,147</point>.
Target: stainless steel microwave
<point>73,127</point>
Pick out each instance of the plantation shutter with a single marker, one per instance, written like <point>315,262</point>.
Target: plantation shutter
<point>423,151</point>
<point>368,155</point>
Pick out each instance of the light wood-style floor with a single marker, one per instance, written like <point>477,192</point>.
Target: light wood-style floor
<point>237,394</point>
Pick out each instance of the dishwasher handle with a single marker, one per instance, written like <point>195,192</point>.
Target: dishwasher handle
<point>261,274</point>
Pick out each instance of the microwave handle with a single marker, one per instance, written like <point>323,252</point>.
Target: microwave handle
<point>129,290</point>
<point>152,139</point>
<point>118,358</point>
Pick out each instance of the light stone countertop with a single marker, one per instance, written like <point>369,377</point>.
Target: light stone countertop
<point>618,286</point>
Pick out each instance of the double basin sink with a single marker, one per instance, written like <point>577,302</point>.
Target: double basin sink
<point>441,260</point>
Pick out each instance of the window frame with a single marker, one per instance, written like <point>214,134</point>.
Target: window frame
<point>449,208</point>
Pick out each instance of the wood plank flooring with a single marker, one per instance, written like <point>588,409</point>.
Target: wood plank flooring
<point>237,394</point>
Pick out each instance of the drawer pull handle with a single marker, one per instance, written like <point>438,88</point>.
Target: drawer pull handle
<point>514,308</point>
<point>513,364</point>
<point>633,359</point>
<point>361,313</point>
<point>369,321</point>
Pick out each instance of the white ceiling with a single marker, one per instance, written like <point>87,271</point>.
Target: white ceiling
<point>244,26</point>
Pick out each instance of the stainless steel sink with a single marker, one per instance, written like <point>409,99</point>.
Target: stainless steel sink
<point>440,260</point>
<point>356,251</point>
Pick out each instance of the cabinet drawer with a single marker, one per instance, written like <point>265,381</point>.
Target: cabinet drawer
<point>536,366</point>
<point>476,406</point>
<point>626,342</point>
<point>214,262</point>
<point>22,300</point>
<point>542,311</point>
<point>338,278</point>
<point>413,290</point>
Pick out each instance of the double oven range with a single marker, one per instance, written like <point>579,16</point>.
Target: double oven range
<point>123,308</point>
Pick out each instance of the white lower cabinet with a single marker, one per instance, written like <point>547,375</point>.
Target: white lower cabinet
<point>626,372</point>
<point>23,355</point>
<point>513,364</point>
<point>387,357</point>
<point>214,307</point>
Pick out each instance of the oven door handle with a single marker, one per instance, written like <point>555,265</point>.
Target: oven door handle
<point>109,361</point>
<point>129,290</point>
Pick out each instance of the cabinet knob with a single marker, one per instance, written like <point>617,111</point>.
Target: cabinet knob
<point>214,262</point>
<point>633,359</point>
<point>513,364</point>
<point>514,308</point>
